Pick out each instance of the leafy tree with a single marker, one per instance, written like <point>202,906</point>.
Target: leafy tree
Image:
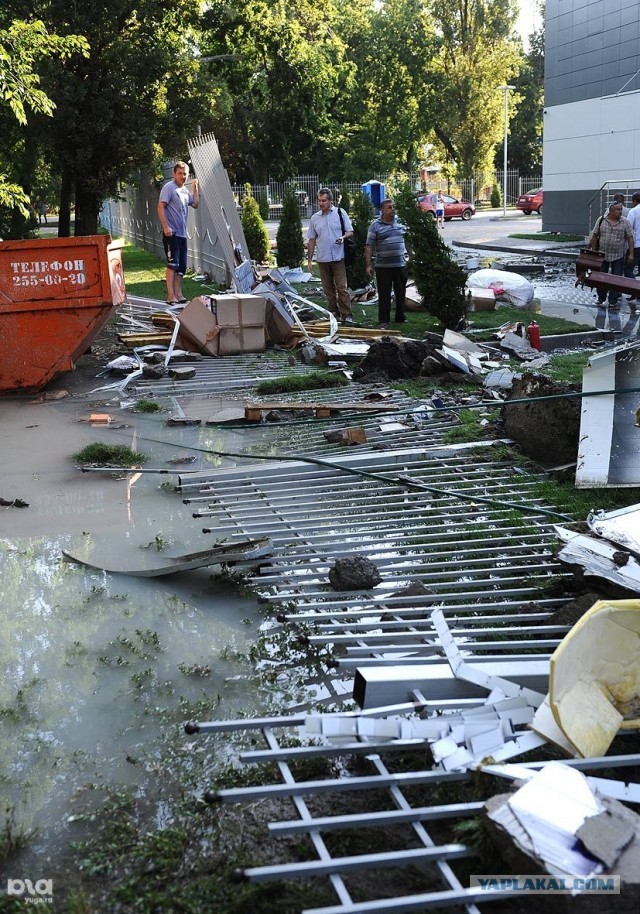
<point>383,111</point>
<point>289,241</point>
<point>362,216</point>
<point>23,48</point>
<point>438,278</point>
<point>477,55</point>
<point>278,68</point>
<point>496,196</point>
<point>255,233</point>
<point>525,127</point>
<point>136,96</point>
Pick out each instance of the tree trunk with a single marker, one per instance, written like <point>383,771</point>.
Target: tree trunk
<point>64,214</point>
<point>87,209</point>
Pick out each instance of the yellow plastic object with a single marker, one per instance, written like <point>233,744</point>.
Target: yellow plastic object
<point>594,685</point>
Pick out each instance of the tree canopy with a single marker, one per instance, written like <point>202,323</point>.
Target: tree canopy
<point>336,87</point>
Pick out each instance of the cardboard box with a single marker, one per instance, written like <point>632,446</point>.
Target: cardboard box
<point>198,327</point>
<point>483,300</point>
<point>241,322</point>
<point>239,310</point>
<point>233,340</point>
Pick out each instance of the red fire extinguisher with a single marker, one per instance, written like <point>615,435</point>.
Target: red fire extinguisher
<point>533,332</point>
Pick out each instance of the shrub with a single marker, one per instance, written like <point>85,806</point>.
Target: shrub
<point>362,216</point>
<point>255,233</point>
<point>345,200</point>
<point>263,204</point>
<point>496,196</point>
<point>438,278</point>
<point>289,241</point>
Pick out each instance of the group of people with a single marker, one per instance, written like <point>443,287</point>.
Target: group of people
<point>328,230</point>
<point>616,234</point>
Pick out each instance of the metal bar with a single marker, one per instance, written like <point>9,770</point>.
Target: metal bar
<point>311,868</point>
<point>379,819</point>
<point>340,785</point>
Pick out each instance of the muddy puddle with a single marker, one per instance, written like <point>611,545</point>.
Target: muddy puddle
<point>102,671</point>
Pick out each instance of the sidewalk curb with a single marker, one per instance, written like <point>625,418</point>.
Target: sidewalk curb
<point>561,253</point>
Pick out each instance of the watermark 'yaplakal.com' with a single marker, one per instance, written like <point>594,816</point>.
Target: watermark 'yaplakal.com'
<point>548,885</point>
<point>38,892</point>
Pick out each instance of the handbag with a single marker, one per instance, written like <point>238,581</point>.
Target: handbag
<point>349,244</point>
<point>594,241</point>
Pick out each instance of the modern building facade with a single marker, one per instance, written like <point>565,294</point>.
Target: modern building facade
<point>592,109</point>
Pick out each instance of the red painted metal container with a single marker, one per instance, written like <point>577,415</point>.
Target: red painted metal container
<point>56,294</point>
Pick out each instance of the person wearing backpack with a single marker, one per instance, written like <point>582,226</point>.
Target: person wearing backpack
<point>328,230</point>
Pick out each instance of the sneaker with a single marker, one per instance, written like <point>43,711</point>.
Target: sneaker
<point>383,326</point>
<point>401,320</point>
<point>347,321</point>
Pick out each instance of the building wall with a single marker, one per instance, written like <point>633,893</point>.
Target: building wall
<point>592,107</point>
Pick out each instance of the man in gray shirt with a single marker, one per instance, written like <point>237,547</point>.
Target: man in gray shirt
<point>326,237</point>
<point>386,238</point>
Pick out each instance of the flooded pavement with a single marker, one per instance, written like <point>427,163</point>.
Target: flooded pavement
<point>102,671</point>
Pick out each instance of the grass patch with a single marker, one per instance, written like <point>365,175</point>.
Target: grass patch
<point>470,428</point>
<point>579,502</point>
<point>315,380</point>
<point>144,275</point>
<point>491,320</point>
<point>112,455</point>
<point>148,406</point>
<point>568,367</point>
<point>547,236</point>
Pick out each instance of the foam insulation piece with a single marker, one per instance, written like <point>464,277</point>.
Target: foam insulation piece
<point>594,672</point>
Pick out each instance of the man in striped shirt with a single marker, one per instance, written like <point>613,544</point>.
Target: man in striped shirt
<point>386,238</point>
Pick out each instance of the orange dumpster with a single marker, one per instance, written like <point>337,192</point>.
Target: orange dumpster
<point>56,294</point>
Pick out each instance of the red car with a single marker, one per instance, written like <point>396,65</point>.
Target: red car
<point>452,207</point>
<point>531,202</point>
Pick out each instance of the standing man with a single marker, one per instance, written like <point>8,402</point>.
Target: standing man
<point>611,235</point>
<point>386,238</point>
<point>634,222</point>
<point>326,237</point>
<point>173,207</point>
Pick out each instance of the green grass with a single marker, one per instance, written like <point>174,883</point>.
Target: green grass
<point>490,320</point>
<point>315,380</point>
<point>568,367</point>
<point>112,455</point>
<point>547,236</point>
<point>144,275</point>
<point>148,406</point>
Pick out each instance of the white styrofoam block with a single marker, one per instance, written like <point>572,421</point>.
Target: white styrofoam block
<point>487,742</point>
<point>460,759</point>
<point>443,748</point>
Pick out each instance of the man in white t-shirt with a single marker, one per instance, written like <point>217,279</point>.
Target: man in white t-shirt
<point>326,237</point>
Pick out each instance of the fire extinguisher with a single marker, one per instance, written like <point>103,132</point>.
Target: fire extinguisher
<point>533,332</point>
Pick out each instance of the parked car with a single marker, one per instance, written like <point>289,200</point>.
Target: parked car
<point>452,207</point>
<point>531,202</point>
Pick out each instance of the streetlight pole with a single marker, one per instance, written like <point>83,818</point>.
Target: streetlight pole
<point>505,89</point>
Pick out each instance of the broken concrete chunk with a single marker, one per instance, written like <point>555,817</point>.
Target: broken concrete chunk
<point>606,835</point>
<point>181,374</point>
<point>153,372</point>
<point>354,572</point>
<point>346,436</point>
<point>183,420</point>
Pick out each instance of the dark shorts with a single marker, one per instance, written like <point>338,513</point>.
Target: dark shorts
<point>176,250</point>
